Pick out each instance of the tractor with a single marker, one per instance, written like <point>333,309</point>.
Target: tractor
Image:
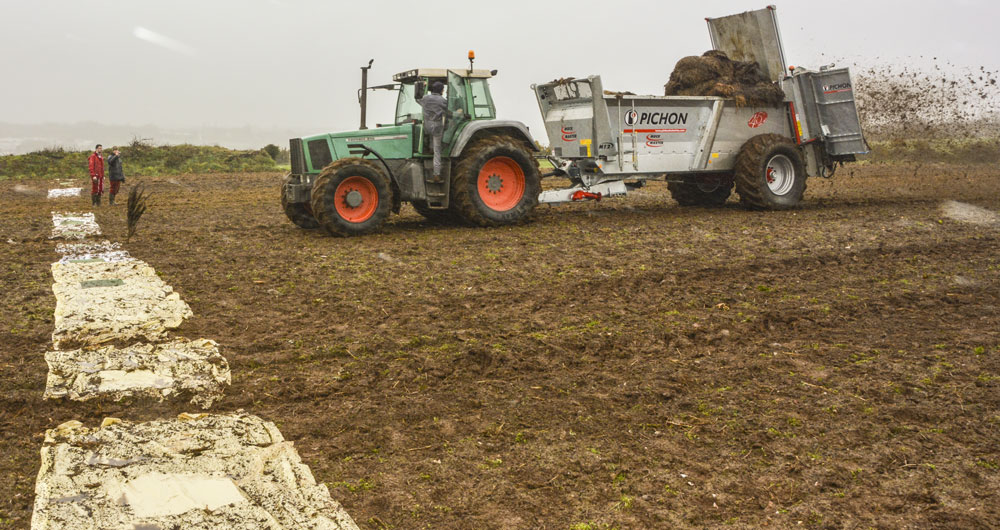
<point>347,183</point>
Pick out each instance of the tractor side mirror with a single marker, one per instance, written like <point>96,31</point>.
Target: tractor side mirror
<point>419,88</point>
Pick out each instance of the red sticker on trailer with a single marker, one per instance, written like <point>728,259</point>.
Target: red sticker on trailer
<point>630,131</point>
<point>757,120</point>
<point>568,134</point>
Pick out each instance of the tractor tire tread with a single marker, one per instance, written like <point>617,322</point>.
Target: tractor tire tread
<point>467,168</point>
<point>326,179</point>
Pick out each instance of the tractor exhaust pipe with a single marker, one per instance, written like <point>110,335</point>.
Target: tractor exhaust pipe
<point>363,93</point>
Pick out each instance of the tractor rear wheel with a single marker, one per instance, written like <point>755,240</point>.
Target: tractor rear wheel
<point>351,196</point>
<point>297,212</point>
<point>770,173</point>
<point>713,192</point>
<point>495,182</point>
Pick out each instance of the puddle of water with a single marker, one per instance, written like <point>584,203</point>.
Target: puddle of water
<point>88,284</point>
<point>162,494</point>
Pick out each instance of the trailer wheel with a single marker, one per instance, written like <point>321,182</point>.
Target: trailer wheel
<point>710,193</point>
<point>351,196</point>
<point>297,212</point>
<point>770,173</point>
<point>496,182</point>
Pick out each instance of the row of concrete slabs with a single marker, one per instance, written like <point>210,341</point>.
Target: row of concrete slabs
<point>112,338</point>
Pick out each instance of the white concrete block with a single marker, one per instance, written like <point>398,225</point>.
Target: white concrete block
<point>159,371</point>
<point>58,193</point>
<point>198,471</point>
<point>74,226</point>
<point>99,302</point>
<point>92,251</point>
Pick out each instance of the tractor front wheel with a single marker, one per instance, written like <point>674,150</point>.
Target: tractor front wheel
<point>770,173</point>
<point>351,196</point>
<point>495,182</point>
<point>297,212</point>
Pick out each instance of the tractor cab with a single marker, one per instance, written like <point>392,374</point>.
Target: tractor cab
<point>467,90</point>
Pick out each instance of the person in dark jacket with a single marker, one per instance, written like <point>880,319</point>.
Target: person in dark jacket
<point>117,174</point>
<point>96,165</point>
<point>435,109</point>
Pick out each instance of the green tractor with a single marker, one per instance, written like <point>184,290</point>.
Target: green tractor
<point>348,182</point>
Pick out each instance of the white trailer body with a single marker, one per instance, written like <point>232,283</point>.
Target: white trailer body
<point>698,142</point>
<point>650,134</point>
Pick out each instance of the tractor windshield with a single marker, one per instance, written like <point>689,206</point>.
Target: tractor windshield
<point>407,108</point>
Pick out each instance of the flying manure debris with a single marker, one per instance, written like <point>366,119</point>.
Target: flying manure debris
<point>943,101</point>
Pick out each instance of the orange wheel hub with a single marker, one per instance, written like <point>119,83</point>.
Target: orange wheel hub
<point>356,199</point>
<point>501,183</point>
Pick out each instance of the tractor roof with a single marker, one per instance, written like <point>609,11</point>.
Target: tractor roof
<point>412,75</point>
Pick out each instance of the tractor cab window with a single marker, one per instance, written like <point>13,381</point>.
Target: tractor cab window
<point>407,108</point>
<point>482,103</point>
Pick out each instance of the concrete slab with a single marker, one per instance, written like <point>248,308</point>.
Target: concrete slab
<point>74,226</point>
<point>92,251</point>
<point>58,193</point>
<point>159,371</point>
<point>199,471</point>
<point>133,304</point>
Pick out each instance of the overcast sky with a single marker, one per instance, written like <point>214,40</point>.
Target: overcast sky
<point>294,63</point>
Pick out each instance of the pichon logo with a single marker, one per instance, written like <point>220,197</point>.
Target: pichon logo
<point>757,120</point>
<point>655,118</point>
<point>842,87</point>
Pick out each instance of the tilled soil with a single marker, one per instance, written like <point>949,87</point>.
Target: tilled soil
<point>623,364</point>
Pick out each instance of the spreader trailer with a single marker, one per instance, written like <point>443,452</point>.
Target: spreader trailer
<point>704,146</point>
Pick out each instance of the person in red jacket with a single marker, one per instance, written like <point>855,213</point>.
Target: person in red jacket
<point>96,163</point>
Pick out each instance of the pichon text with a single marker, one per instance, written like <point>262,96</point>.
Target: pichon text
<point>660,118</point>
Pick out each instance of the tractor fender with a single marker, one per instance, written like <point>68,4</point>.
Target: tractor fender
<point>510,127</point>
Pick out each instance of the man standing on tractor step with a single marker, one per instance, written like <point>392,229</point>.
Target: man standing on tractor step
<point>435,107</point>
<point>96,163</point>
<point>117,175</point>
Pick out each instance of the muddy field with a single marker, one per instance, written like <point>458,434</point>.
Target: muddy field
<point>626,364</point>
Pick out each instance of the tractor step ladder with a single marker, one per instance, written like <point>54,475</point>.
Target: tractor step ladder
<point>437,192</point>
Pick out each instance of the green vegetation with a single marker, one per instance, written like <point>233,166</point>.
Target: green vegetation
<point>141,158</point>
